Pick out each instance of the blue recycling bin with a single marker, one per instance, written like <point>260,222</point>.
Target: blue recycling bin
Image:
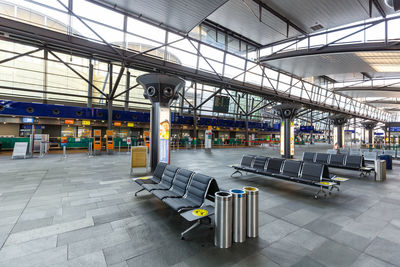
<point>388,159</point>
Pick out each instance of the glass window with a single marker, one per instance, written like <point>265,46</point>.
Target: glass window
<point>97,13</point>
<point>146,30</point>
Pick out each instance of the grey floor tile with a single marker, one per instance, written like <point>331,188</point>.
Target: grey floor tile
<point>301,217</point>
<point>305,238</point>
<point>352,240</point>
<point>323,227</point>
<point>367,261</point>
<point>276,230</point>
<point>83,234</point>
<point>32,224</point>
<point>334,254</point>
<point>385,250</point>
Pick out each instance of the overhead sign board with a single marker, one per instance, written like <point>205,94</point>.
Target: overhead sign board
<point>27,120</point>
<point>130,124</point>
<point>69,121</point>
<point>117,123</point>
<point>85,122</point>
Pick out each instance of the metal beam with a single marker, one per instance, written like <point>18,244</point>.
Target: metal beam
<point>84,23</point>
<point>280,16</point>
<point>77,73</point>
<point>121,72</point>
<point>234,100</point>
<point>127,90</point>
<point>208,98</point>
<point>20,55</point>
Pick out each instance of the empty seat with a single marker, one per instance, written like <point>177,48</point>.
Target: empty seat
<point>322,158</point>
<point>158,172</point>
<point>331,151</point>
<point>363,150</point>
<point>259,163</point>
<point>337,160</point>
<point>312,172</point>
<point>290,169</point>
<point>195,194</point>
<point>308,156</point>
<point>179,185</point>
<point>274,166</point>
<point>247,162</point>
<point>355,152</point>
<point>391,153</point>
<point>370,156</point>
<point>166,180</point>
<point>354,162</point>
<point>379,152</point>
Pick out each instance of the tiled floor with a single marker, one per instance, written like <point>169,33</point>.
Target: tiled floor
<point>82,212</point>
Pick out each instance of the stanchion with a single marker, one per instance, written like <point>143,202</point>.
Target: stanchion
<point>223,220</point>
<point>64,152</point>
<point>252,211</point>
<point>119,146</point>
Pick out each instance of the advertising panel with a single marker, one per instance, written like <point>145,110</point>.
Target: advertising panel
<point>165,125</point>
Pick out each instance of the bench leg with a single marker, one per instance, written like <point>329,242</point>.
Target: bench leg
<point>196,224</point>
<point>140,190</point>
<point>321,190</point>
<point>237,171</point>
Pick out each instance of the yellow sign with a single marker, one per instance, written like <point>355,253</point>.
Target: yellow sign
<point>143,178</point>
<point>199,212</point>
<point>218,128</point>
<point>85,122</point>
<point>130,124</point>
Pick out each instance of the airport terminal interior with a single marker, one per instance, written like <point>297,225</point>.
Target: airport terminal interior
<point>199,133</point>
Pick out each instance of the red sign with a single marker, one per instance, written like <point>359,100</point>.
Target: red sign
<point>69,121</point>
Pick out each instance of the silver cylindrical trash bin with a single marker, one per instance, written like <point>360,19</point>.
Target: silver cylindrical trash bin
<point>223,219</point>
<point>252,211</point>
<point>239,215</point>
<point>380,170</point>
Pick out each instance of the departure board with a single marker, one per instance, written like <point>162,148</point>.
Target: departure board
<point>221,104</point>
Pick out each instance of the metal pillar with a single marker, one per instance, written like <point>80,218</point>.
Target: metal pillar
<point>127,86</point>
<point>161,90</point>
<point>45,70</point>
<point>338,121</point>
<point>369,127</point>
<point>90,87</point>
<point>195,114</point>
<point>247,120</point>
<point>109,103</point>
<point>287,112</point>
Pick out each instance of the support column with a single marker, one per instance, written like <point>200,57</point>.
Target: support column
<point>195,114</point>
<point>247,120</point>
<point>369,133</point>
<point>287,112</point>
<point>90,85</point>
<point>127,86</point>
<point>338,122</point>
<point>45,70</point>
<point>161,90</point>
<point>109,102</point>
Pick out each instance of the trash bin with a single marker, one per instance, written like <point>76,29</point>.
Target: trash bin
<point>252,211</point>
<point>239,215</point>
<point>223,219</point>
<point>388,159</point>
<point>380,170</point>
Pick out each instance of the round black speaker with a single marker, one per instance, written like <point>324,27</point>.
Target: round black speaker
<point>151,91</point>
<point>2,107</point>
<point>134,117</point>
<point>118,116</point>
<point>287,112</point>
<point>99,114</point>
<point>30,109</point>
<point>79,113</point>
<point>168,92</point>
<point>56,111</point>
<point>340,121</point>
